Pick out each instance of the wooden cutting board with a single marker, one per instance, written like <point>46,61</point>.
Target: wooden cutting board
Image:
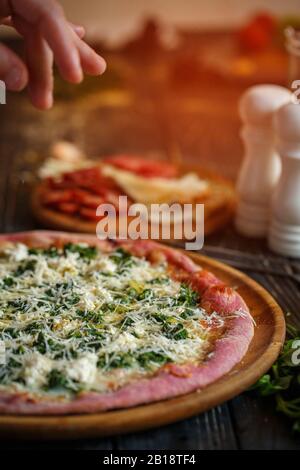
<point>264,349</point>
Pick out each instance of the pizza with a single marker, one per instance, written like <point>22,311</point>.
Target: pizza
<point>67,200</point>
<point>89,325</point>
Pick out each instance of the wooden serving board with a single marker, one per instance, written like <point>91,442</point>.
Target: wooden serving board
<point>219,206</point>
<point>263,351</point>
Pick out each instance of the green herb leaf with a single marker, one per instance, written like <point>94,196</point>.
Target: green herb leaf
<point>282,381</point>
<point>85,252</point>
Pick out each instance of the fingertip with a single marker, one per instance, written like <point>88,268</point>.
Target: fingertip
<point>72,70</point>
<point>74,76</point>
<point>48,102</point>
<point>102,65</point>
<point>16,78</point>
<point>42,100</point>
<point>95,65</point>
<point>79,30</point>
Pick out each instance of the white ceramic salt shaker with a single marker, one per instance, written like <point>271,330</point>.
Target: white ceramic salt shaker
<point>261,166</point>
<point>284,235</point>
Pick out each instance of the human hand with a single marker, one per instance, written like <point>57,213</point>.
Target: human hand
<point>48,37</point>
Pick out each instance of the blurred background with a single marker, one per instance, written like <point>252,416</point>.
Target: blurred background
<point>176,70</point>
<point>116,19</point>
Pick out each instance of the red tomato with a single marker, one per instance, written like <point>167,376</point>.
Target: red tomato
<point>103,189</point>
<point>92,200</point>
<point>84,177</point>
<point>79,194</point>
<point>88,213</point>
<point>90,179</point>
<point>68,207</point>
<point>61,184</point>
<point>143,167</point>
<point>54,197</point>
<point>86,198</point>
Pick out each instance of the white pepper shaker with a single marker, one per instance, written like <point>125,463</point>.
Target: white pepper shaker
<point>284,235</point>
<point>261,167</point>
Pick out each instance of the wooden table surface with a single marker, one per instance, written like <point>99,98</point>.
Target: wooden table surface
<point>143,107</point>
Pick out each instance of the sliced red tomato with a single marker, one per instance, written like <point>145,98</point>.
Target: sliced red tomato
<point>103,189</point>
<point>91,179</point>
<point>79,194</point>
<point>84,177</point>
<point>53,197</point>
<point>86,198</point>
<point>92,201</point>
<point>68,207</point>
<point>143,167</point>
<point>88,213</point>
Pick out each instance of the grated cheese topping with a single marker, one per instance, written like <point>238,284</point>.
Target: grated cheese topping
<point>74,319</point>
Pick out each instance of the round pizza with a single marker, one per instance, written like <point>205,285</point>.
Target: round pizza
<point>89,325</point>
<point>67,199</point>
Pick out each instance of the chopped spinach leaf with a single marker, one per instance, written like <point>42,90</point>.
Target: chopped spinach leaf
<point>85,252</point>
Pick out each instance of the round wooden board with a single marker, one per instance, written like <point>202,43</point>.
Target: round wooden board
<point>219,207</point>
<point>263,351</point>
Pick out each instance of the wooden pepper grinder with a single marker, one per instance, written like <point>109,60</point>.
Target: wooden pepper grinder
<point>284,236</point>
<point>261,167</point>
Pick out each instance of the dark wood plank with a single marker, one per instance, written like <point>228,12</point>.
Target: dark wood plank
<point>211,430</point>
<point>92,444</point>
<point>259,427</point>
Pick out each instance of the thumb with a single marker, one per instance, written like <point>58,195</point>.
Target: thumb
<point>12,70</point>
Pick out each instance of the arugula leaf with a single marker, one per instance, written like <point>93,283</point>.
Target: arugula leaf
<point>122,360</point>
<point>187,296</point>
<point>25,266</point>
<point>56,379</point>
<point>8,281</point>
<point>19,305</point>
<point>147,358</point>
<point>171,328</point>
<point>51,252</point>
<point>85,252</point>
<point>123,259</point>
<point>282,382</point>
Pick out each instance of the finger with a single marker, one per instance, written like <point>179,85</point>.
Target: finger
<point>50,20</point>
<point>78,29</point>
<point>12,70</point>
<point>39,59</point>
<point>91,62</point>
<point>59,36</point>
